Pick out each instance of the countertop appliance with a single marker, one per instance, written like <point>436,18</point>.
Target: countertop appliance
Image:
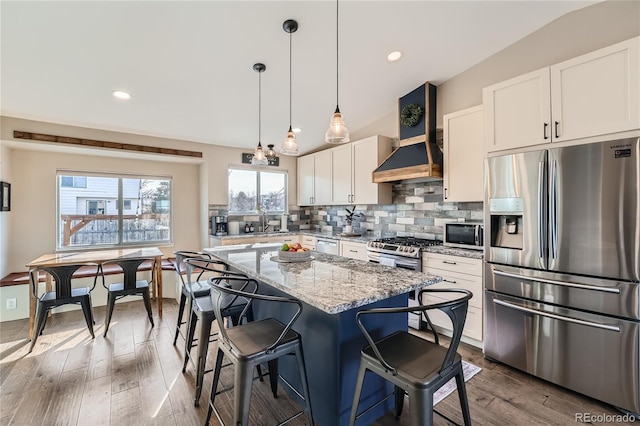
<point>401,252</point>
<point>468,235</point>
<point>219,225</point>
<point>327,245</point>
<point>562,254</point>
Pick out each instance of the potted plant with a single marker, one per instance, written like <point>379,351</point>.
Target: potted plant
<point>351,214</point>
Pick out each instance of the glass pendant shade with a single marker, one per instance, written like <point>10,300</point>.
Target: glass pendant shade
<point>337,132</point>
<point>270,154</point>
<point>290,145</point>
<point>259,159</point>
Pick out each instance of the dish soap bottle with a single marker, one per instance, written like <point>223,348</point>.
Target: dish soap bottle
<point>246,228</point>
<point>251,228</point>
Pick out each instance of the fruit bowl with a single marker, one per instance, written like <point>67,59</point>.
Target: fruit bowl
<point>294,256</point>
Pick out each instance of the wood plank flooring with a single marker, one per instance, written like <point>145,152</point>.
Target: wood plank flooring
<point>134,376</point>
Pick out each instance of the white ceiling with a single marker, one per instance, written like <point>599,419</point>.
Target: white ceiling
<point>188,65</point>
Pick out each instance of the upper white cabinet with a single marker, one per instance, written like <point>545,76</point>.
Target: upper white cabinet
<point>463,155</point>
<point>347,178</point>
<point>314,178</point>
<point>593,94</point>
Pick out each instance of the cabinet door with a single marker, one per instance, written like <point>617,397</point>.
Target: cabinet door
<point>322,174</point>
<point>305,180</point>
<point>341,174</point>
<point>518,111</point>
<point>463,155</point>
<point>367,155</point>
<point>353,250</point>
<point>597,93</point>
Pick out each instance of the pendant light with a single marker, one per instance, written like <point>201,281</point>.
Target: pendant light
<point>259,159</point>
<point>270,154</point>
<point>290,144</point>
<point>337,132</point>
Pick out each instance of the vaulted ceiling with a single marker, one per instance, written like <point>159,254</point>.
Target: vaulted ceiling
<point>188,65</point>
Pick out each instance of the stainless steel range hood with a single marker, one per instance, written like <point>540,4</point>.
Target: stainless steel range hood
<point>418,157</point>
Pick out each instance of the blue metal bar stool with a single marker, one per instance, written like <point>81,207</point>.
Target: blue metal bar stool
<point>63,294</point>
<point>190,288</point>
<point>415,366</point>
<point>250,344</point>
<point>130,286</point>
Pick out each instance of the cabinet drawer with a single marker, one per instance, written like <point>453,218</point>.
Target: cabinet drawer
<point>464,265</point>
<point>308,241</point>
<point>472,325</point>
<point>472,283</point>
<point>353,250</point>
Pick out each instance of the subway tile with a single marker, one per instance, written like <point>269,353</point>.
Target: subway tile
<point>414,200</point>
<point>405,220</point>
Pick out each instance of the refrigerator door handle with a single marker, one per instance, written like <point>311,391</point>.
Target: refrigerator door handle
<point>541,212</point>
<point>557,317</point>
<point>553,211</point>
<point>561,283</point>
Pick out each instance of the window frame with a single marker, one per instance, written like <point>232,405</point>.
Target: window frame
<point>258,193</point>
<point>119,210</point>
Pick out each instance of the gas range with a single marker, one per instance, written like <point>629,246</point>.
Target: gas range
<point>401,246</point>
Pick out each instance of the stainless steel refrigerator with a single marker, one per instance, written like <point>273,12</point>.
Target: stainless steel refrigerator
<point>562,254</point>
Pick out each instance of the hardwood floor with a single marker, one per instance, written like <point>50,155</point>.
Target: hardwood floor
<point>134,376</point>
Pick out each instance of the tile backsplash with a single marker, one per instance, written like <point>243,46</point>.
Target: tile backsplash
<point>417,211</point>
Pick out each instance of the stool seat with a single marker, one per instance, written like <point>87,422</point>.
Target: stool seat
<point>254,337</point>
<point>120,286</point>
<point>415,366</point>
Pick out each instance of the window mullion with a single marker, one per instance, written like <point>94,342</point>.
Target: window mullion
<point>120,214</point>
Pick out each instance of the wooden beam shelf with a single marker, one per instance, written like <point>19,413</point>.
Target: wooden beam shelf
<point>104,144</point>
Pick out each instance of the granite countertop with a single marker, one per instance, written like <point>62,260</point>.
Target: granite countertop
<point>454,251</point>
<point>330,283</point>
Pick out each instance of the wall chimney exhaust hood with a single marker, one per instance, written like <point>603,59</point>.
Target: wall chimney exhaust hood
<point>418,157</point>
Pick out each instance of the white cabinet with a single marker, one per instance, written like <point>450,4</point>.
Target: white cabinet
<point>353,249</point>
<point>367,155</point>
<point>314,178</point>
<point>343,175</point>
<point>308,241</point>
<point>591,95</point>
<point>463,155</point>
<point>457,272</point>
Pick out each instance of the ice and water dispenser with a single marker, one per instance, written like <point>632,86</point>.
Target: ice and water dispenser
<point>506,227</point>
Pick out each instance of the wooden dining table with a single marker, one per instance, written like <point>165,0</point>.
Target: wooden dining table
<point>94,257</point>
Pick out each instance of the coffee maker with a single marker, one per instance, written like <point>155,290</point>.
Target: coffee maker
<point>219,225</point>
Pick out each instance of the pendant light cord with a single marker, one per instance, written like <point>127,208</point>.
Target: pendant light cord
<point>290,81</point>
<point>259,108</point>
<point>337,58</point>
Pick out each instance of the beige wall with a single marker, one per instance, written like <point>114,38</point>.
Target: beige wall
<point>33,165</point>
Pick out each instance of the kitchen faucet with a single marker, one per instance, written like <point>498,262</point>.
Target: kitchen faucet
<point>265,225</point>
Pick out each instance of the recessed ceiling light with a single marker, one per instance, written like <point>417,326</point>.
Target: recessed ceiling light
<point>297,130</point>
<point>394,56</point>
<point>119,94</point>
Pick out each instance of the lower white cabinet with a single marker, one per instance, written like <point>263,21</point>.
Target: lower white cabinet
<point>308,241</point>
<point>457,272</point>
<point>353,249</point>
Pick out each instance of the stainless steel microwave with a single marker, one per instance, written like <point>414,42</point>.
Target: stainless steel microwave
<point>467,235</point>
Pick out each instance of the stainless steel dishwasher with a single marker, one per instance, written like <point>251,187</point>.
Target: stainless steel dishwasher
<point>327,246</point>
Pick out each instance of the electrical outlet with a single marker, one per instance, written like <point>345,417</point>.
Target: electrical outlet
<point>12,303</point>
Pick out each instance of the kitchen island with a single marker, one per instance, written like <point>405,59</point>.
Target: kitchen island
<point>332,289</point>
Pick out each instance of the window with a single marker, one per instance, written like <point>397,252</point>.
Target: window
<point>73,181</point>
<point>110,210</point>
<point>251,191</point>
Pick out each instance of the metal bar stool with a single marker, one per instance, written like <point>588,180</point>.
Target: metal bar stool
<point>415,366</point>
<point>250,344</point>
<point>202,311</point>
<point>190,288</point>
<point>63,294</point>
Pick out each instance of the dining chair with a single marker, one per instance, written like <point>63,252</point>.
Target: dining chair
<point>129,286</point>
<point>249,344</point>
<point>190,287</point>
<point>415,366</point>
<point>63,294</point>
